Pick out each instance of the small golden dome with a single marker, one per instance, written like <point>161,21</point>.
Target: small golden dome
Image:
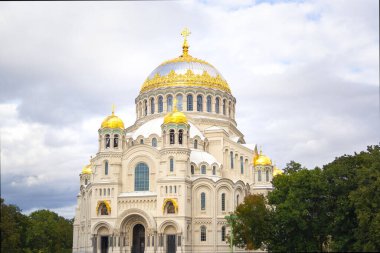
<point>112,121</point>
<point>277,171</point>
<point>175,116</point>
<point>87,169</point>
<point>262,160</point>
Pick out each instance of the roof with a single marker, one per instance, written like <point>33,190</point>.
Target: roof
<point>199,156</point>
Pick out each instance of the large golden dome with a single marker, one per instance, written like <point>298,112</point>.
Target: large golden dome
<point>185,70</point>
<point>262,160</point>
<point>112,121</point>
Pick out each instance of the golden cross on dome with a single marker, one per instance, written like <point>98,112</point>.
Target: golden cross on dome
<point>185,33</point>
<point>113,109</point>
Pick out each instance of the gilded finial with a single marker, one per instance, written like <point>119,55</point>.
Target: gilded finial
<point>113,109</point>
<point>185,33</point>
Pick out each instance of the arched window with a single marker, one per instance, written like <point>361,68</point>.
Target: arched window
<point>237,200</point>
<point>203,233</point>
<point>179,102</point>
<point>169,103</point>
<point>203,201</point>
<point>180,136</point>
<point>160,104</point>
<point>145,107</point>
<point>106,168</point>
<point>189,102</point>
<point>154,142</point>
<point>217,104</point>
<point>229,109</point>
<point>170,207</point>
<point>208,103</point>
<point>224,107</point>
<point>171,135</point>
<point>223,202</point>
<point>232,159</point>
<point>213,170</point>
<point>195,144</point>
<point>108,141</point>
<point>108,192</point>
<point>142,177</point>
<point>116,141</point>
<point>203,169</point>
<point>241,165</point>
<point>223,233</point>
<point>152,106</point>
<point>85,181</point>
<point>141,141</point>
<point>171,164</point>
<point>259,175</point>
<point>192,169</point>
<point>267,175</point>
<point>199,103</point>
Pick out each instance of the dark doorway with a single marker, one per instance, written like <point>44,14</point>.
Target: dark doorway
<point>138,244</point>
<point>170,242</point>
<point>104,244</point>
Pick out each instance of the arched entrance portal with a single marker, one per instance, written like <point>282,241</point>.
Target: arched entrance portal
<point>138,241</point>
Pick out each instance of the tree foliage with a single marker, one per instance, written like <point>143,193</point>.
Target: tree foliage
<point>336,208</point>
<point>41,231</point>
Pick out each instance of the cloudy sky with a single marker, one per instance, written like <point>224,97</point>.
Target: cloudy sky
<point>305,75</point>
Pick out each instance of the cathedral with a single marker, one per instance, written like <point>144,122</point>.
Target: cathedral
<point>166,183</point>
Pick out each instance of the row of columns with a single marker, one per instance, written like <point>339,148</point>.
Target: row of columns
<point>143,108</point>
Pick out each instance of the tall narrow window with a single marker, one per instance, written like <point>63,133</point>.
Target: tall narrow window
<point>208,103</point>
<point>169,103</point>
<point>224,107</point>
<point>108,141</point>
<point>142,177</point>
<point>160,104</point>
<point>171,135</point>
<point>192,169</point>
<point>229,109</point>
<point>199,103</point>
<point>203,201</point>
<point>154,142</point>
<point>171,165</point>
<point>179,102</point>
<point>152,106</point>
<point>189,102</point>
<point>145,107</point>
<point>237,200</point>
<point>223,233</point>
<point>195,144</point>
<point>217,103</point>
<point>180,136</point>
<point>267,175</point>
<point>232,159</point>
<point>203,233</point>
<point>106,168</point>
<point>259,175</point>
<point>213,170</point>
<point>203,169</point>
<point>116,141</point>
<point>241,165</point>
<point>223,202</point>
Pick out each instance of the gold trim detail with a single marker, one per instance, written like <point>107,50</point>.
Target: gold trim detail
<point>175,204</point>
<point>107,203</point>
<point>187,79</point>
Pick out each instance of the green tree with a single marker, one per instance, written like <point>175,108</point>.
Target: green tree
<point>13,228</point>
<point>354,185</point>
<point>293,167</point>
<point>251,226</point>
<point>49,232</point>
<point>300,216</point>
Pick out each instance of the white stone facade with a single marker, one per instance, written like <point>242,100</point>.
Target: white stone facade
<point>148,195</point>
